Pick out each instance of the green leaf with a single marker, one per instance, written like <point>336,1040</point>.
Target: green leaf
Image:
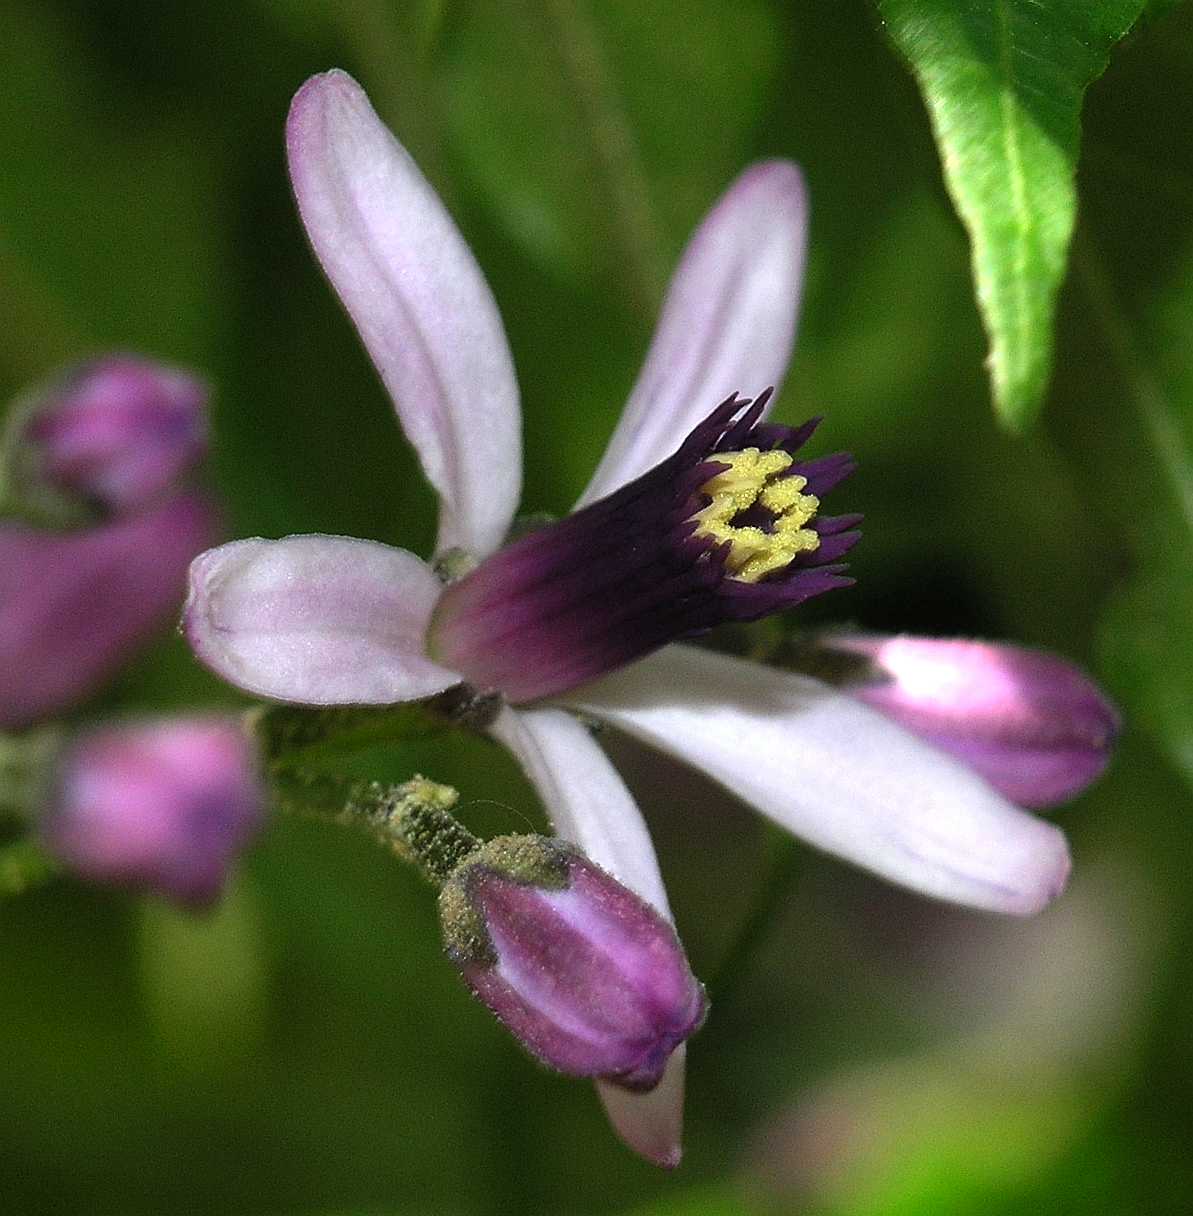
<point>1003,81</point>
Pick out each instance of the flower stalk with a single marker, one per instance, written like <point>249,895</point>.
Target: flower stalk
<point>413,819</point>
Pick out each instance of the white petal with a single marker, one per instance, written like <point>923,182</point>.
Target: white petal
<point>418,300</point>
<point>320,620</point>
<point>727,325</point>
<point>586,799</point>
<point>651,1124</point>
<point>590,806</point>
<point>839,775</point>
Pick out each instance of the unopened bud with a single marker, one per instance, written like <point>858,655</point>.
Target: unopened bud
<point>74,606</point>
<point>1034,726</point>
<point>164,806</point>
<point>110,436</point>
<point>588,976</point>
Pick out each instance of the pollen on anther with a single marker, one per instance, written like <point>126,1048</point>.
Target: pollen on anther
<point>752,479</point>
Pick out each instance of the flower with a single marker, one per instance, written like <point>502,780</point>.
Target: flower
<point>74,606</point>
<point>1035,727</point>
<point>161,805</point>
<point>114,434</point>
<point>589,976</point>
<point>327,620</point>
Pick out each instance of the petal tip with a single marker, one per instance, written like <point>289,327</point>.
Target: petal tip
<point>1050,877</point>
<point>777,174</point>
<point>312,106</point>
<point>314,88</point>
<point>650,1124</point>
<point>780,187</point>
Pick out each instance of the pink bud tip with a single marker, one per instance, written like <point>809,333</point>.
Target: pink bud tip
<point>117,432</point>
<point>1032,725</point>
<point>163,806</point>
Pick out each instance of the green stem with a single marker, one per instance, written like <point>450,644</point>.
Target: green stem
<point>782,869</point>
<point>614,152</point>
<point>413,819</point>
<point>1151,403</point>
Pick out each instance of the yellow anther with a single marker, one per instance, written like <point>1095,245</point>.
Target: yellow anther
<point>753,478</point>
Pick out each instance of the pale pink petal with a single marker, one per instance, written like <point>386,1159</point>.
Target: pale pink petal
<point>727,325</point>
<point>318,620</point>
<point>586,799</point>
<point>839,775</point>
<point>651,1124</point>
<point>589,805</point>
<point>419,302</point>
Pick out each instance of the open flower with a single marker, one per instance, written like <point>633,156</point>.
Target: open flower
<point>672,535</point>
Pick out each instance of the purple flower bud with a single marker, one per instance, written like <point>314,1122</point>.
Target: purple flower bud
<point>1035,727</point>
<point>115,433</point>
<point>589,977</point>
<point>75,605</point>
<point>165,806</point>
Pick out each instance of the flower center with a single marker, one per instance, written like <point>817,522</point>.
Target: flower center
<point>758,512</point>
<point>726,528</point>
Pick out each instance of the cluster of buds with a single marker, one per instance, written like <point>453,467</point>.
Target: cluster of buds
<point>586,974</point>
<point>101,525</point>
<point>107,448</point>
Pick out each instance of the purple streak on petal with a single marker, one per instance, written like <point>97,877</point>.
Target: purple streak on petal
<point>616,580</point>
<point>728,322</point>
<point>768,435</point>
<point>74,607</point>
<point>1034,726</point>
<point>164,806</point>
<point>418,300</point>
<point>118,432</point>
<point>838,774</point>
<point>317,620</point>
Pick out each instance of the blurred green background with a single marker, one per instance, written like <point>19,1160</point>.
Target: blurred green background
<point>305,1049</point>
